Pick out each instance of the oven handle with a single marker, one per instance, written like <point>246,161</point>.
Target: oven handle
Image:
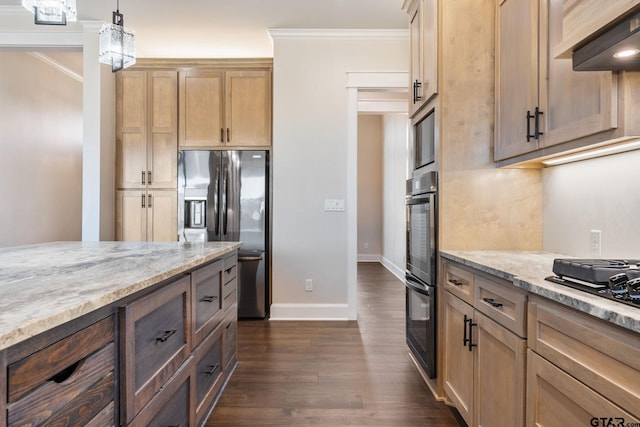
<point>417,200</point>
<point>418,287</point>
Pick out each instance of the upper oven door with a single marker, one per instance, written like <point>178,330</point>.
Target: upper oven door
<point>421,237</point>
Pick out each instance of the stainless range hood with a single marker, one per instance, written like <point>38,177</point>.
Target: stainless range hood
<point>603,53</point>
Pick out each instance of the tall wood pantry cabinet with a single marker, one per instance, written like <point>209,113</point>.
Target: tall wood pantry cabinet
<point>166,105</point>
<point>146,155</point>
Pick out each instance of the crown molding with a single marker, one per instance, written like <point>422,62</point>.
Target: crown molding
<point>334,34</point>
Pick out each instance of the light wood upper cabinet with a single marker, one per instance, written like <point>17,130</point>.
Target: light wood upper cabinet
<point>248,108</point>
<point>201,108</point>
<point>225,108</point>
<point>146,129</point>
<point>540,101</point>
<point>583,18</point>
<point>423,30</point>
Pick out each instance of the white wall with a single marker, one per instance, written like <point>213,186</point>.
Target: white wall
<point>310,135</point>
<point>41,161</point>
<point>396,128</point>
<point>601,194</point>
<point>370,187</point>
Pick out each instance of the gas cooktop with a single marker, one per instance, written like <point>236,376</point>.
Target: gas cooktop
<point>615,279</point>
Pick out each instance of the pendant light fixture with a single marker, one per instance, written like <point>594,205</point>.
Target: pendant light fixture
<point>117,43</point>
<point>52,12</point>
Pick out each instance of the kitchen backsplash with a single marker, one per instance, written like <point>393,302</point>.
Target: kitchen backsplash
<point>598,194</point>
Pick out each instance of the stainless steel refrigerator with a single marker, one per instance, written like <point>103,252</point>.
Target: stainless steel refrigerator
<point>223,196</point>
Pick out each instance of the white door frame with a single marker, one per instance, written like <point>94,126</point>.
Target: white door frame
<point>357,81</point>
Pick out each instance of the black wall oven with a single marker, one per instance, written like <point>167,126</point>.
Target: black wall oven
<point>420,278</point>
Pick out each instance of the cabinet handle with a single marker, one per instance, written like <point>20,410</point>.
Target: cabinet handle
<point>537,114</point>
<point>416,87</point>
<point>492,302</point>
<point>212,369</point>
<point>166,335</point>
<point>529,117</point>
<point>142,199</point>
<point>228,135</point>
<point>210,298</point>
<point>149,200</point>
<point>465,340</point>
<point>456,282</point>
<point>142,177</point>
<point>148,177</point>
<point>471,344</point>
<point>221,135</point>
<point>228,326</point>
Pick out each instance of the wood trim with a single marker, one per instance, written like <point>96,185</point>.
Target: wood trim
<point>184,64</point>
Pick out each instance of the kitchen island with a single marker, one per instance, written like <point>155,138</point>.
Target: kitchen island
<point>114,333</point>
<point>516,349</point>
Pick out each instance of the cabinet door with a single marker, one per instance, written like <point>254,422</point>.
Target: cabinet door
<point>162,152</point>
<point>458,360</point>
<point>516,76</point>
<point>555,398</point>
<point>131,218</point>
<point>500,375</point>
<point>162,216</point>
<point>415,25</point>
<point>131,129</point>
<point>575,104</point>
<point>423,19</point>
<point>248,108</point>
<point>200,109</point>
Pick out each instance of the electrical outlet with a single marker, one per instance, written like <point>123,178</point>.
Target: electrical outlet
<point>596,242</point>
<point>308,285</point>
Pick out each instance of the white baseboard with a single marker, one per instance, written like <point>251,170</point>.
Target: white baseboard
<point>309,312</point>
<point>394,269</point>
<point>369,258</point>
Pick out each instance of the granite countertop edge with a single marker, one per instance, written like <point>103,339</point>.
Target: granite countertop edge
<point>22,319</point>
<point>527,270</point>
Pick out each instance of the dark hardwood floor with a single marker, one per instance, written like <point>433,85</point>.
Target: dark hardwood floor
<point>332,373</point>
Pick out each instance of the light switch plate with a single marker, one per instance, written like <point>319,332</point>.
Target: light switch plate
<point>334,205</point>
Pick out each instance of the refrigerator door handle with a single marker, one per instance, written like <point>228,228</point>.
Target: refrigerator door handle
<point>225,183</point>
<point>216,207</point>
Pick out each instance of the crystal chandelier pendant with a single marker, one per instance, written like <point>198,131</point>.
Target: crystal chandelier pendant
<point>117,44</point>
<point>52,12</point>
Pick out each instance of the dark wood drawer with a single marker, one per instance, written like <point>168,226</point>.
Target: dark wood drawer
<point>208,374</point>
<point>229,294</point>
<point>173,405</point>
<point>230,334</point>
<point>207,300</point>
<point>230,266</point>
<point>155,341</point>
<point>70,382</point>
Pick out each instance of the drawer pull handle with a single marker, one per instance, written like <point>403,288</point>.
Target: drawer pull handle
<point>66,373</point>
<point>212,369</point>
<point>208,298</point>
<point>228,326</point>
<point>456,282</point>
<point>492,302</point>
<point>166,335</point>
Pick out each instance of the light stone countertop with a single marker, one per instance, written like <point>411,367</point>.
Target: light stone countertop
<point>527,270</point>
<point>45,285</point>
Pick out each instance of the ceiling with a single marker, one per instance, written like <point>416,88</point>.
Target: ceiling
<point>232,28</point>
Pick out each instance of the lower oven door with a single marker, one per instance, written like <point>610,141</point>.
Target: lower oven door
<point>421,323</point>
